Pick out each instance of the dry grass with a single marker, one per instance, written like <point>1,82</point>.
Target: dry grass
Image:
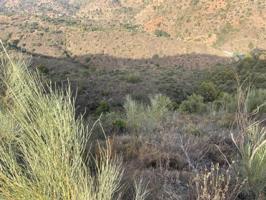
<point>141,191</point>
<point>213,184</point>
<point>42,143</point>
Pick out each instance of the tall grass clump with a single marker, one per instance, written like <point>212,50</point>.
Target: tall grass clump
<point>251,145</point>
<point>256,101</point>
<point>226,103</point>
<point>146,118</point>
<point>42,143</point>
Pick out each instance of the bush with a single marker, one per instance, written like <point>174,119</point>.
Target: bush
<point>256,101</point>
<point>42,143</point>
<point>114,122</point>
<point>44,70</point>
<point>225,103</point>
<point>160,33</point>
<point>224,78</point>
<point>131,27</point>
<point>194,104</point>
<point>208,90</point>
<point>133,78</point>
<point>160,105</point>
<point>146,118</point>
<point>102,108</point>
<point>120,125</point>
<point>253,70</point>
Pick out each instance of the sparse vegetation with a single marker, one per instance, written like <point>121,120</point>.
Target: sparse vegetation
<point>161,33</point>
<point>169,100</point>
<point>223,34</point>
<point>131,27</point>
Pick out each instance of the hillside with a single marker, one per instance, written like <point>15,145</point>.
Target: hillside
<point>132,99</point>
<point>87,41</point>
<point>93,43</point>
<point>226,25</point>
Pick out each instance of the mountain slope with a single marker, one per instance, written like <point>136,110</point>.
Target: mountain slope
<point>227,25</point>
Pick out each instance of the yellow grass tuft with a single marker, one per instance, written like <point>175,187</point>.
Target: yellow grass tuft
<point>42,143</point>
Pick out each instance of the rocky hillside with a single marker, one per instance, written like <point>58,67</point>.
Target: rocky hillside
<point>229,25</point>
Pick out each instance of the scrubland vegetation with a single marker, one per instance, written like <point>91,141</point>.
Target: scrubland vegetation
<point>132,100</point>
<point>210,146</point>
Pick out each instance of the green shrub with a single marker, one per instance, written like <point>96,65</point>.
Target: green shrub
<point>208,90</point>
<point>194,104</point>
<point>133,78</point>
<point>251,45</point>
<point>256,101</point>
<point>146,118</point>
<point>224,78</point>
<point>120,124</point>
<point>253,71</point>
<point>159,106</point>
<point>161,33</point>
<point>131,27</point>
<point>225,103</point>
<point>113,122</point>
<point>103,107</point>
<point>43,69</point>
<point>134,113</point>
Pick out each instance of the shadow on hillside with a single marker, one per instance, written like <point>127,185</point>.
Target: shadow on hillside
<point>188,61</point>
<point>99,77</point>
